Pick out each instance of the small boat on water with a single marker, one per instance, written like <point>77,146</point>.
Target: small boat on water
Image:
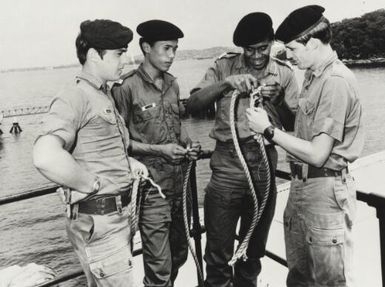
<point>369,173</point>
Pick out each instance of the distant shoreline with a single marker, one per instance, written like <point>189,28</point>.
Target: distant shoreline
<point>365,63</point>
<point>357,63</point>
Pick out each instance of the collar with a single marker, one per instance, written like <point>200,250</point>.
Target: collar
<point>167,77</point>
<point>90,79</point>
<point>329,60</point>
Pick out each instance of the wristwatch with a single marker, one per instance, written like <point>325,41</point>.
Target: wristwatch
<point>268,133</point>
<point>95,186</point>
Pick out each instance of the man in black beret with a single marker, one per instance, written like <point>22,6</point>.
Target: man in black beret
<point>84,148</point>
<point>328,135</point>
<point>227,195</point>
<point>149,101</point>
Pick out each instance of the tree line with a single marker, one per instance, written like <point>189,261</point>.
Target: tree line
<point>360,38</point>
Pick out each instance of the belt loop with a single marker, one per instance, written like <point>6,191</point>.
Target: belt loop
<point>75,211</point>
<point>343,174</point>
<point>304,171</point>
<point>118,201</point>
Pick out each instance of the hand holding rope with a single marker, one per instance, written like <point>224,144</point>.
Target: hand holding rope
<point>258,210</point>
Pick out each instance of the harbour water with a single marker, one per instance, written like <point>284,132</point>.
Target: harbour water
<point>33,230</point>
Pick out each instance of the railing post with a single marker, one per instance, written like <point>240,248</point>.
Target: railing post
<point>381,219</point>
<point>196,223</point>
<point>378,202</point>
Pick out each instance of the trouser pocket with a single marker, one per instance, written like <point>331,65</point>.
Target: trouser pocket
<point>116,264</point>
<point>326,249</point>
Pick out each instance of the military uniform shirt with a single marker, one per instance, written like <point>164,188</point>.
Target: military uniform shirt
<point>84,117</point>
<point>152,117</point>
<point>234,64</point>
<point>329,104</point>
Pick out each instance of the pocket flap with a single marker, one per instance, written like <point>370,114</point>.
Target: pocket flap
<point>306,106</point>
<point>116,263</point>
<point>108,115</point>
<point>325,236</point>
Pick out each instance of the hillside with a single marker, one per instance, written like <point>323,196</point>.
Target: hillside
<point>198,54</point>
<point>360,38</point>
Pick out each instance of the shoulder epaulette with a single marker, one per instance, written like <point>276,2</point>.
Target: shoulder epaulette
<point>282,63</point>
<point>171,75</point>
<point>129,74</point>
<point>228,55</point>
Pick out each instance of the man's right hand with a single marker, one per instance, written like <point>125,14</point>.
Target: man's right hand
<point>173,152</point>
<point>243,82</point>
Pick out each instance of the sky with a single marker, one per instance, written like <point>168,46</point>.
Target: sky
<point>36,33</point>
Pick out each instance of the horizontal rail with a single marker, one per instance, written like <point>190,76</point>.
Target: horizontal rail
<point>276,258</point>
<point>27,195</point>
<point>372,199</point>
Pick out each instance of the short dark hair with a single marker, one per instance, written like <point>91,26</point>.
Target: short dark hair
<point>321,31</point>
<point>82,47</point>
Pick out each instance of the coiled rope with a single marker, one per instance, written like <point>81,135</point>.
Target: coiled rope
<point>186,223</point>
<point>258,210</point>
<point>136,204</point>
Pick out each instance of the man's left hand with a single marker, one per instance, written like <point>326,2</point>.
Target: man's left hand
<point>138,168</point>
<point>258,119</point>
<point>193,150</point>
<point>272,92</point>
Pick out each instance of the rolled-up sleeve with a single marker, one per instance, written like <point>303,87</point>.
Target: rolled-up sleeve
<point>332,110</point>
<point>64,118</point>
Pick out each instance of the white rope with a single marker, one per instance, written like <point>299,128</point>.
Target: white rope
<point>154,185</point>
<point>136,204</point>
<point>186,224</point>
<point>135,207</point>
<point>242,247</point>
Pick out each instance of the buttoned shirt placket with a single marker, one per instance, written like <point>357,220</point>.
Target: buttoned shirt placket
<point>107,91</point>
<point>166,114</point>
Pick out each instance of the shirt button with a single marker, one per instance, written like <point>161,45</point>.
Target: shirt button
<point>334,241</point>
<point>101,274</point>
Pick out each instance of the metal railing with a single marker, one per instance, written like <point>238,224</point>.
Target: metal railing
<point>372,199</point>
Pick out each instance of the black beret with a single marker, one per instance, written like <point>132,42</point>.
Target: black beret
<point>298,22</point>
<point>253,28</point>
<point>105,34</point>
<point>158,30</point>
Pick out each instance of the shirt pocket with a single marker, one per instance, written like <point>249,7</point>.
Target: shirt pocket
<point>102,124</point>
<point>142,114</point>
<point>307,107</point>
<point>305,115</point>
